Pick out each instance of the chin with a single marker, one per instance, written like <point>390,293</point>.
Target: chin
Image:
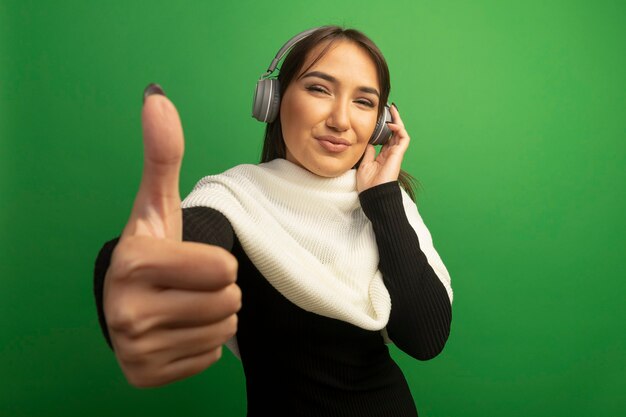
<point>329,168</point>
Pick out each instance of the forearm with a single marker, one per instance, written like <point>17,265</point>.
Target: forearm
<point>421,311</point>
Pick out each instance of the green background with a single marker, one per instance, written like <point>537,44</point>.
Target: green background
<point>517,116</point>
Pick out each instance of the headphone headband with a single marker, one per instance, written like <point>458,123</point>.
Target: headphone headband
<point>287,46</point>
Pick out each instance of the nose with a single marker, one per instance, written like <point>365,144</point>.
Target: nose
<point>339,117</point>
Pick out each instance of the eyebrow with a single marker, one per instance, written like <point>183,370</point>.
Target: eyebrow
<point>332,79</point>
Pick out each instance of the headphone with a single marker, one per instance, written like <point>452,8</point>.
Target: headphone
<point>266,101</point>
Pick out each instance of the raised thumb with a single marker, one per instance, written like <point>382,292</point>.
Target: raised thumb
<point>156,211</point>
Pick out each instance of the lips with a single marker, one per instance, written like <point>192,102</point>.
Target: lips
<point>333,144</point>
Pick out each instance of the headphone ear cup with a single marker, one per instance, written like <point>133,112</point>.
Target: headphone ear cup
<point>382,133</point>
<point>266,100</point>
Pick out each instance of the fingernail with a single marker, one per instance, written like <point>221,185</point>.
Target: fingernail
<point>152,88</point>
<point>395,105</point>
<point>389,121</point>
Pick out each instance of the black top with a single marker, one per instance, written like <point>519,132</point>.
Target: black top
<point>299,363</point>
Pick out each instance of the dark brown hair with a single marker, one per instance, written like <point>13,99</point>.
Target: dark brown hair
<point>274,144</point>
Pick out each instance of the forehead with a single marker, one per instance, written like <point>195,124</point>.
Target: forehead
<point>344,60</point>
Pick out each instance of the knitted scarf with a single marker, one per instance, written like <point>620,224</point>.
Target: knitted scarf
<point>308,236</point>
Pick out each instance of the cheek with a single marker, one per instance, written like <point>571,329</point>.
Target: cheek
<point>366,124</point>
<point>294,116</point>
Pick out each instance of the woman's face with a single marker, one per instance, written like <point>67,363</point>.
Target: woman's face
<point>329,113</point>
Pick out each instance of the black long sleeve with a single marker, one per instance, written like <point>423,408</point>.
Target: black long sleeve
<point>421,312</point>
<point>100,269</point>
<point>301,363</point>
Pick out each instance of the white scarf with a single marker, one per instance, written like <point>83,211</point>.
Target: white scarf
<point>310,238</point>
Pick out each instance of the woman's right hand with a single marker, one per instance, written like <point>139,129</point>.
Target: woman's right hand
<point>170,305</point>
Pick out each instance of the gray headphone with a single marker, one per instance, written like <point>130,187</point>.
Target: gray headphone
<point>266,101</point>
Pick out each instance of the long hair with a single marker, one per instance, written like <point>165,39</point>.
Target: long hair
<point>274,144</point>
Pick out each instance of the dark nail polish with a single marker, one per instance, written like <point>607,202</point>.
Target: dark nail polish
<point>395,105</point>
<point>152,88</point>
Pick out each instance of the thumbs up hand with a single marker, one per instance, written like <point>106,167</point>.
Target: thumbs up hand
<point>170,305</point>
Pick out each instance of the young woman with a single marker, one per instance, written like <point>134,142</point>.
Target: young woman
<point>331,258</point>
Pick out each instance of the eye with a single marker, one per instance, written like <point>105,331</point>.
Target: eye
<point>317,88</point>
<point>365,102</point>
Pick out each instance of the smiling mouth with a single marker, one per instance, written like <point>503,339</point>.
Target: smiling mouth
<point>333,144</point>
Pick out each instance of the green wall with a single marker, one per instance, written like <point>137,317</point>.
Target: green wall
<point>516,111</point>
